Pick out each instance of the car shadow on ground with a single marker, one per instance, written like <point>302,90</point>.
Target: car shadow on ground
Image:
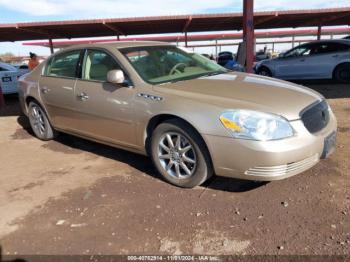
<point>139,162</point>
<point>11,107</point>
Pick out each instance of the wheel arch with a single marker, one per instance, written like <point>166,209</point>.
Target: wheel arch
<point>338,65</point>
<point>161,118</point>
<point>29,99</point>
<point>267,68</point>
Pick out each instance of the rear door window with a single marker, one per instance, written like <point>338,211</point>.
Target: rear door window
<point>64,65</point>
<point>338,47</point>
<point>326,48</point>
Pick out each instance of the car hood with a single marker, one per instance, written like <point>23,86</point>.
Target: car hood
<point>245,91</point>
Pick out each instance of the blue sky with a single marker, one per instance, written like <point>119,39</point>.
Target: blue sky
<point>12,11</point>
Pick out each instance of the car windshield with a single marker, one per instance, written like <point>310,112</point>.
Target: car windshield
<point>161,64</point>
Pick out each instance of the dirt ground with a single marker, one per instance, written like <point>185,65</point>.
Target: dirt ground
<point>72,196</point>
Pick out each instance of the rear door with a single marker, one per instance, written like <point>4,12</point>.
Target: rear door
<point>338,53</point>
<point>321,61</point>
<point>104,110</point>
<point>57,88</point>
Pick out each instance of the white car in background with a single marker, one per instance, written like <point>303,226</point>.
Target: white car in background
<point>8,78</point>
<point>327,59</point>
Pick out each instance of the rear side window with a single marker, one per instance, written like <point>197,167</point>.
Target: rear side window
<point>64,65</point>
<point>2,69</point>
<point>341,47</point>
<point>97,64</point>
<point>23,67</point>
<point>325,48</point>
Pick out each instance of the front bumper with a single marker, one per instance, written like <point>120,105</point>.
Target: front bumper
<point>269,160</point>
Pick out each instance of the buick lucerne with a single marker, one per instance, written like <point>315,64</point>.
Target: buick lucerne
<point>192,117</point>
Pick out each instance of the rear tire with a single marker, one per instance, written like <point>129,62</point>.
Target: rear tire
<point>40,123</point>
<point>342,73</point>
<point>180,155</point>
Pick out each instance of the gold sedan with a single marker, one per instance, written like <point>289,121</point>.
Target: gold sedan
<point>193,117</point>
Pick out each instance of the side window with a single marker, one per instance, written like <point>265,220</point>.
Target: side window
<point>323,48</point>
<point>330,48</point>
<point>337,47</point>
<point>97,64</point>
<point>64,65</point>
<point>2,69</point>
<point>299,51</point>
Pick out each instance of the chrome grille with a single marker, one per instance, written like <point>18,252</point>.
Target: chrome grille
<point>315,117</point>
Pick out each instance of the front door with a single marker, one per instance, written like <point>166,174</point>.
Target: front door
<point>294,64</point>
<point>104,110</point>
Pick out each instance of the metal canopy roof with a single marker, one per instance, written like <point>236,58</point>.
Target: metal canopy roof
<point>199,37</point>
<point>171,24</point>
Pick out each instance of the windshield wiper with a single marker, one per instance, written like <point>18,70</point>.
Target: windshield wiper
<point>212,73</point>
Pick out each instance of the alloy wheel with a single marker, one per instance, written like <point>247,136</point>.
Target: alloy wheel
<point>37,119</point>
<point>177,155</point>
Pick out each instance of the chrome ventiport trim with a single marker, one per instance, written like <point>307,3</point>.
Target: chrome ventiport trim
<point>152,97</point>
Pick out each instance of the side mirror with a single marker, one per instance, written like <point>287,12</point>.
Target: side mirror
<point>116,77</point>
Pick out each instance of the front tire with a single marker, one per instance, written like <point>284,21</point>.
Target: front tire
<point>39,122</point>
<point>264,71</point>
<point>180,155</point>
<point>342,73</point>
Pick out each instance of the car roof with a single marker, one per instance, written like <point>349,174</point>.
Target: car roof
<point>119,45</point>
<point>340,41</point>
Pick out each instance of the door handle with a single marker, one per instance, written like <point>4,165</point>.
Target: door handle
<point>45,90</point>
<point>83,96</point>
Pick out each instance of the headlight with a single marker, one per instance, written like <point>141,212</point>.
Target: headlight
<point>254,125</point>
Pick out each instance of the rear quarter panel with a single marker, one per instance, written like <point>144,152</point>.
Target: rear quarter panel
<point>28,86</point>
<point>343,57</point>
